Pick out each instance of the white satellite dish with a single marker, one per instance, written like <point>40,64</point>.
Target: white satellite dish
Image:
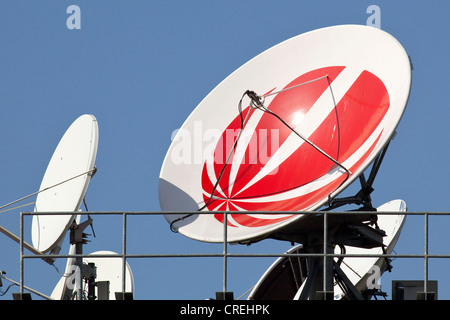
<point>61,290</point>
<point>285,278</point>
<point>358,270</point>
<point>323,106</point>
<point>65,182</point>
<point>107,269</point>
<point>110,269</point>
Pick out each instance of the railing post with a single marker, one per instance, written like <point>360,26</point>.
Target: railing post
<point>325,250</point>
<point>425,284</point>
<point>124,250</point>
<point>225,240</point>
<point>21,254</point>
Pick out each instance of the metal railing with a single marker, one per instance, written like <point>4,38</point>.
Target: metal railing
<point>225,255</point>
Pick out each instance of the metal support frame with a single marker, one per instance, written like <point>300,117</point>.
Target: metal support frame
<point>363,196</point>
<point>78,238</point>
<point>225,254</point>
<point>351,292</point>
<point>322,271</point>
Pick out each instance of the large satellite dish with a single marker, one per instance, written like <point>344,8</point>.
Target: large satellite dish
<point>65,182</point>
<point>316,111</point>
<point>285,278</point>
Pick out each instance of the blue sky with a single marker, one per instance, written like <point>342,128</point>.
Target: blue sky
<point>141,67</point>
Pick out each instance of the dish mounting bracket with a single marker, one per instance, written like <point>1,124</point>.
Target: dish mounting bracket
<point>362,197</point>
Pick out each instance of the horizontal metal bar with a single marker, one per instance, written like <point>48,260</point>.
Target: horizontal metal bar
<point>242,255</point>
<point>317,213</point>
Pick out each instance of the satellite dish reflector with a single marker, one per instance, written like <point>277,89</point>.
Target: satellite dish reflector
<point>321,108</point>
<point>285,278</point>
<point>61,290</point>
<point>358,270</point>
<point>57,293</point>
<point>65,182</point>
<point>107,269</point>
<point>110,269</point>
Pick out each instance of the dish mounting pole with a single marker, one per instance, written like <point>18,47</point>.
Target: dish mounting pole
<point>78,238</point>
<point>323,270</point>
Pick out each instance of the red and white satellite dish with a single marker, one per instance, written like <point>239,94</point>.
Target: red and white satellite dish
<point>332,99</point>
